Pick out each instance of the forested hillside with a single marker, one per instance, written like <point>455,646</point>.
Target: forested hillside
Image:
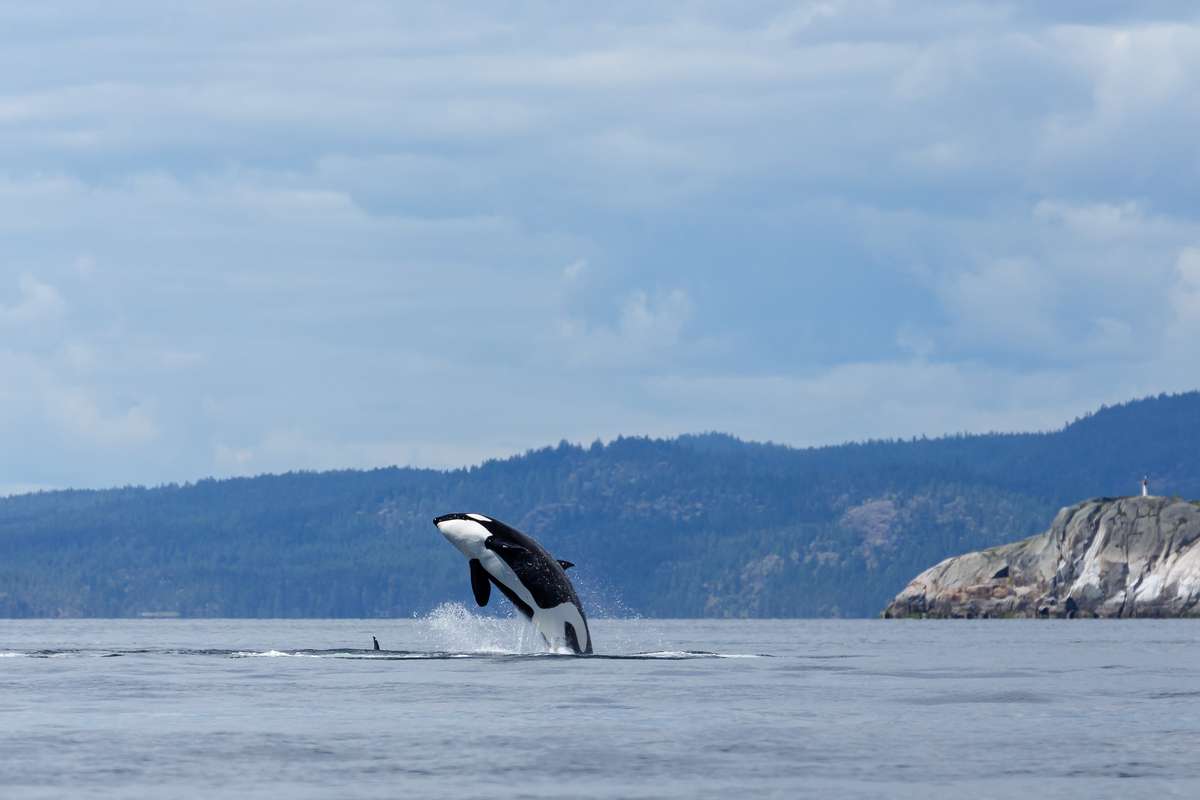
<point>701,525</point>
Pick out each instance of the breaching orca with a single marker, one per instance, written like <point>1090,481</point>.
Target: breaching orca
<point>524,572</point>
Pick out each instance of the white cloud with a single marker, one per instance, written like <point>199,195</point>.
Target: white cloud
<point>38,302</point>
<point>655,324</point>
<point>1141,77</point>
<point>1007,303</point>
<point>1110,222</point>
<point>1096,221</point>
<point>1185,301</point>
<point>801,18</point>
<point>255,242</point>
<point>575,271</point>
<point>77,413</point>
<point>646,332</point>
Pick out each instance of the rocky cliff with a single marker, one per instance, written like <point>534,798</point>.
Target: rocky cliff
<point>1126,557</point>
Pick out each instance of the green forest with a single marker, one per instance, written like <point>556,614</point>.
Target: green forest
<point>699,525</point>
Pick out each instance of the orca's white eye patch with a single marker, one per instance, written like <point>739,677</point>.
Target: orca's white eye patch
<point>479,517</point>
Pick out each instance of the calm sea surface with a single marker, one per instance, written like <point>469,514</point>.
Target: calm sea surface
<point>459,706</point>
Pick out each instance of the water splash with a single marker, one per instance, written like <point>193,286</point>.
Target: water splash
<point>453,628</point>
<point>600,599</point>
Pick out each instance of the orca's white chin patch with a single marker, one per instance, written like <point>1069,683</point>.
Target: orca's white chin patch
<point>465,534</point>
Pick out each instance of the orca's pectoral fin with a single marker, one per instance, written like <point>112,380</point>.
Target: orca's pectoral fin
<point>480,584</point>
<point>565,564</point>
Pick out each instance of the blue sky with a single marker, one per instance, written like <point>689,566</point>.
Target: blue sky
<point>240,238</point>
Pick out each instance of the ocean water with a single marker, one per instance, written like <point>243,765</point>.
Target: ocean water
<point>464,706</point>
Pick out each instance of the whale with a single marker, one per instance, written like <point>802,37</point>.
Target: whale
<point>533,581</point>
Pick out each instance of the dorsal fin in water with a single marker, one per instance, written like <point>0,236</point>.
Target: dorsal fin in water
<point>480,584</point>
<point>565,564</point>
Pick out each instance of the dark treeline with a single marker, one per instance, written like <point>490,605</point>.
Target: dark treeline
<point>703,525</point>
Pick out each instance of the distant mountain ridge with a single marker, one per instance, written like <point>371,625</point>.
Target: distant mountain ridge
<point>700,525</point>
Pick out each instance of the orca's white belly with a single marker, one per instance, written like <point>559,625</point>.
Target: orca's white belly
<point>548,621</point>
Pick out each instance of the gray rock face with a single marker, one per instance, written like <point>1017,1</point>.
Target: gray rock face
<point>1126,557</point>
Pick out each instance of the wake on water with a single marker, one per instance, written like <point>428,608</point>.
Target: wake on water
<point>453,631</point>
<point>449,631</point>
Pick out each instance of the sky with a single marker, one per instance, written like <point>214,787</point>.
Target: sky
<point>243,238</point>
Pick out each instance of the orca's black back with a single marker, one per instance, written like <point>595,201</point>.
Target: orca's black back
<point>541,574</point>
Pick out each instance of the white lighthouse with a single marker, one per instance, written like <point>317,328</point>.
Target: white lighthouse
<point>1146,486</point>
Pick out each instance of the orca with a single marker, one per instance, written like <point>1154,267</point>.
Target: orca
<point>532,580</point>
